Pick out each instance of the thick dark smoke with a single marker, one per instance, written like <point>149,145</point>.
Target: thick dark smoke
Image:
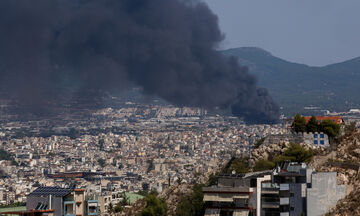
<point>165,46</point>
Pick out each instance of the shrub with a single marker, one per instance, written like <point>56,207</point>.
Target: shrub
<point>295,153</point>
<point>239,165</point>
<point>262,165</point>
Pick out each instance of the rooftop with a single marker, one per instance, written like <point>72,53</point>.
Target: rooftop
<point>54,191</point>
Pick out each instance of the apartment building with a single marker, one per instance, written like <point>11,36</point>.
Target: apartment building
<point>56,201</point>
<point>292,189</point>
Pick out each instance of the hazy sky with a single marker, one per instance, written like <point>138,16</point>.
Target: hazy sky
<point>314,32</point>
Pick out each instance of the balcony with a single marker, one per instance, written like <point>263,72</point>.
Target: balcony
<point>284,201</point>
<point>69,208</point>
<point>231,190</point>
<point>270,202</point>
<point>226,205</point>
<point>270,205</point>
<point>284,187</point>
<point>92,207</point>
<point>270,191</point>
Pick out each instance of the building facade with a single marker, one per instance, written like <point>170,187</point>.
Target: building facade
<point>56,201</point>
<point>292,189</point>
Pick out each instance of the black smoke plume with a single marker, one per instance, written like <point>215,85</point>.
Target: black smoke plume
<point>168,47</point>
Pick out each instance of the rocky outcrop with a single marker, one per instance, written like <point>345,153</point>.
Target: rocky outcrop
<point>267,151</point>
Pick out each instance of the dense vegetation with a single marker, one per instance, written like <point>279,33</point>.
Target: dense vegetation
<point>119,207</point>
<point>294,153</point>
<point>327,126</point>
<point>192,204</point>
<point>154,206</point>
<point>261,165</point>
<point>4,155</point>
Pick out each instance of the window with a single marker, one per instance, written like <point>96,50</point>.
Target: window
<point>322,142</point>
<point>322,136</point>
<point>315,142</point>
<point>291,194</point>
<point>253,182</point>
<point>315,135</point>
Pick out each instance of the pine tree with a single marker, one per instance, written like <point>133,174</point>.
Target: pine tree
<point>299,124</point>
<point>312,125</point>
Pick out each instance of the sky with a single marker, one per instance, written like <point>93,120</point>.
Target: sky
<point>312,32</point>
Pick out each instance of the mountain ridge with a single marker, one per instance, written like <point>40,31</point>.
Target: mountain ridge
<point>293,85</point>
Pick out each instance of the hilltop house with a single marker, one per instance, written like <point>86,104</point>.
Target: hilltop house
<point>336,119</point>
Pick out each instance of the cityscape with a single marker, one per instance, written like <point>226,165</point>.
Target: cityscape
<point>179,108</point>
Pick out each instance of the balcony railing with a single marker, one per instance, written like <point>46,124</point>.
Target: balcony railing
<point>284,187</point>
<point>236,190</point>
<point>284,201</point>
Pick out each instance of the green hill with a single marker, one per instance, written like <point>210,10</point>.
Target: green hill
<point>294,86</point>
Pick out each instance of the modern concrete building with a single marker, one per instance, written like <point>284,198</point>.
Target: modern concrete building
<point>300,191</point>
<point>290,190</point>
<point>235,195</point>
<point>324,193</point>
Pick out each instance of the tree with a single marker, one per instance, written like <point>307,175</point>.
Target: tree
<point>2,173</point>
<point>118,207</point>
<point>179,181</point>
<point>261,165</point>
<point>101,144</point>
<point>299,124</point>
<point>151,166</point>
<point>295,153</point>
<point>125,200</point>
<point>191,204</point>
<point>212,180</point>
<point>239,165</point>
<point>312,125</point>
<point>4,155</point>
<point>111,208</point>
<point>101,162</point>
<point>259,142</point>
<point>154,206</point>
<point>330,128</point>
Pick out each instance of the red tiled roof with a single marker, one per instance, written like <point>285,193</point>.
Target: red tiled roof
<point>336,119</point>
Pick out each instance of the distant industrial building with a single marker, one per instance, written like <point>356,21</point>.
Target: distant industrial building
<point>290,190</point>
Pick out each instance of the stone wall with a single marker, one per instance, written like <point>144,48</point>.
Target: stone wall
<point>311,139</point>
